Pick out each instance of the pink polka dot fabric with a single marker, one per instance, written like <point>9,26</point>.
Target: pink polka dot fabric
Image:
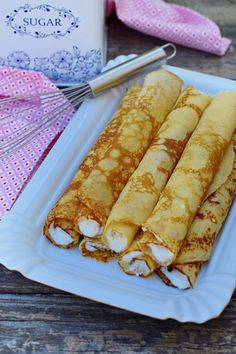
<point>172,23</point>
<point>16,169</point>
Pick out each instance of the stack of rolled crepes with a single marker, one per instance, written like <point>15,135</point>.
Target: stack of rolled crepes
<point>208,157</point>
<point>59,226</point>
<point>198,244</point>
<point>141,193</point>
<point>185,191</point>
<point>180,233</point>
<point>100,190</point>
<point>157,186</point>
<point>84,207</point>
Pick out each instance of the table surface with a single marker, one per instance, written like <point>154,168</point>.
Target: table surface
<point>37,318</point>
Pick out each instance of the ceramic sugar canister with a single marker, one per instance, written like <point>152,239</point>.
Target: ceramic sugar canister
<point>63,39</point>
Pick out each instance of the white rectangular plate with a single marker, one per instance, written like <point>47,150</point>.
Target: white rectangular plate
<point>24,248</point>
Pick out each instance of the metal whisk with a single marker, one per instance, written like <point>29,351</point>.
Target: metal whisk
<point>33,113</point>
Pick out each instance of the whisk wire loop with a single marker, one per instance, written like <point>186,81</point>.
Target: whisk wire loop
<point>23,135</point>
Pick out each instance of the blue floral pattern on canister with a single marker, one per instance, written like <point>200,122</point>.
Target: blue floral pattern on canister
<point>42,21</point>
<point>62,59</point>
<point>62,65</point>
<point>41,64</point>
<point>19,59</point>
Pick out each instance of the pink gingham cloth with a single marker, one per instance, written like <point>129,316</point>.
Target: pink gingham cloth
<point>172,23</point>
<point>17,169</point>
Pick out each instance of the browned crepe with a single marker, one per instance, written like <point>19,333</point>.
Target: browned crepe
<point>168,225</point>
<point>65,211</point>
<point>198,245</point>
<point>141,193</point>
<point>100,190</point>
<point>189,270</point>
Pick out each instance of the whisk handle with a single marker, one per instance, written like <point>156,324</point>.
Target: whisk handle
<point>122,72</point>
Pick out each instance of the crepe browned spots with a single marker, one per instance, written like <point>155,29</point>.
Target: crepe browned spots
<point>184,193</point>
<point>198,245</point>
<point>141,193</point>
<point>61,217</point>
<point>100,190</point>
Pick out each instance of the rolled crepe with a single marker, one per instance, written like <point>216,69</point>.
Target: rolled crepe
<point>181,276</point>
<point>134,262</point>
<point>101,189</point>
<point>59,225</point>
<point>184,193</point>
<point>141,193</point>
<point>95,249</point>
<point>208,221</point>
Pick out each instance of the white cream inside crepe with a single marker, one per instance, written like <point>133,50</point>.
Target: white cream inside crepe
<point>161,254</point>
<point>130,255</point>
<point>59,236</point>
<point>116,241</point>
<point>89,227</point>
<point>94,246</point>
<point>177,278</point>
<point>137,266</point>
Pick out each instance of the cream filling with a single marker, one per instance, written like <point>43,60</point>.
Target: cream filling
<point>176,278</point>
<point>116,241</point>
<point>128,257</point>
<point>161,254</point>
<point>135,266</point>
<point>94,246</point>
<point>89,228</point>
<point>59,236</point>
<point>139,267</point>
